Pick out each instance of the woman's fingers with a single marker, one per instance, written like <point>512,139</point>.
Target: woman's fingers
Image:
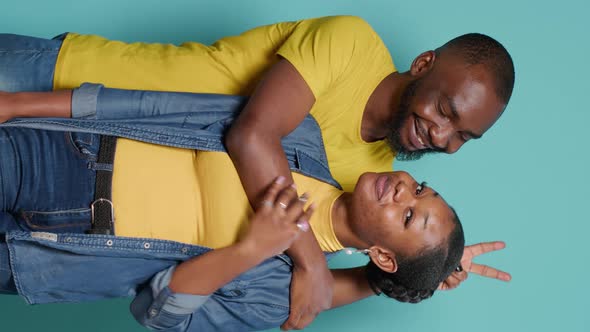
<point>289,206</point>
<point>303,221</point>
<point>270,196</point>
<point>287,197</point>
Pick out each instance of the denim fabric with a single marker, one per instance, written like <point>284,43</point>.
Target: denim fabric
<point>68,265</point>
<point>46,184</point>
<point>46,258</point>
<point>52,261</point>
<point>185,120</point>
<point>27,63</point>
<point>47,178</point>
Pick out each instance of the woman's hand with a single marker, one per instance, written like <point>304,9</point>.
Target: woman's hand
<point>278,221</point>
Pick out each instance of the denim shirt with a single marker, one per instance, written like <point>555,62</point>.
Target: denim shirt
<point>184,120</point>
<point>72,267</point>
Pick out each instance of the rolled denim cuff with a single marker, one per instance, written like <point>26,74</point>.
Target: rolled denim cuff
<point>84,101</point>
<point>157,306</point>
<point>175,303</point>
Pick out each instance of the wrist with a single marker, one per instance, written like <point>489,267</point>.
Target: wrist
<point>307,256</point>
<point>250,251</point>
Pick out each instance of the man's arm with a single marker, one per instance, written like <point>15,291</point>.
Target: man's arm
<point>350,285</point>
<point>468,266</point>
<point>277,107</point>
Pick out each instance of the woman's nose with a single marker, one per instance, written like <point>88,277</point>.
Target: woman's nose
<point>404,193</point>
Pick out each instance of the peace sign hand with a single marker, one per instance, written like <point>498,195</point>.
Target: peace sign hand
<point>469,266</point>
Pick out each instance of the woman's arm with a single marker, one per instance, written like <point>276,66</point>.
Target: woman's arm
<point>175,294</point>
<point>55,104</point>
<point>271,231</point>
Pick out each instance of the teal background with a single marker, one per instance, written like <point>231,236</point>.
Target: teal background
<point>524,182</point>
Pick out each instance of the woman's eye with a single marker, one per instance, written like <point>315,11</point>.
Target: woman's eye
<point>408,217</point>
<point>420,188</point>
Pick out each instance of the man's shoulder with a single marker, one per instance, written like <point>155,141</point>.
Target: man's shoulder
<point>344,24</point>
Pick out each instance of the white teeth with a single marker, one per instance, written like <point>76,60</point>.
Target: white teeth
<point>420,140</point>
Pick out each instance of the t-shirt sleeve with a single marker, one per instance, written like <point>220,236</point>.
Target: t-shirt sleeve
<point>324,50</point>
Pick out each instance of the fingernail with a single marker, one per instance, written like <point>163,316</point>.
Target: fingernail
<point>304,197</point>
<point>303,225</point>
<point>293,185</point>
<point>280,179</point>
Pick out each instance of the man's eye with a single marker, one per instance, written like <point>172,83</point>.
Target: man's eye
<point>409,215</point>
<point>420,188</point>
<point>441,112</point>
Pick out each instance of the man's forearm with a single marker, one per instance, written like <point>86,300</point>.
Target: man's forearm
<point>259,159</point>
<point>306,253</point>
<point>256,165</point>
<point>350,285</point>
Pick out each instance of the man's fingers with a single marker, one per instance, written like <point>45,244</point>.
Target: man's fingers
<point>462,276</point>
<point>484,247</point>
<point>452,281</point>
<point>490,272</point>
<point>305,320</point>
<point>293,319</point>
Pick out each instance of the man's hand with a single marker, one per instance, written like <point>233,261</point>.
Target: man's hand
<point>311,293</point>
<point>469,266</point>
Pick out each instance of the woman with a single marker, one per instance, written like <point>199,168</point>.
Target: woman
<point>48,186</point>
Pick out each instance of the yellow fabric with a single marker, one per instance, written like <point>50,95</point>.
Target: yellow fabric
<point>199,197</point>
<point>341,58</point>
<point>156,192</point>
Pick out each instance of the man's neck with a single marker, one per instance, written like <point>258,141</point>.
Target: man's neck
<point>382,105</point>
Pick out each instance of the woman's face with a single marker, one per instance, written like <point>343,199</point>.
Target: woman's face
<point>393,211</point>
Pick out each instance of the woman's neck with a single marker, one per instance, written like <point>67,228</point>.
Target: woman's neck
<point>342,222</point>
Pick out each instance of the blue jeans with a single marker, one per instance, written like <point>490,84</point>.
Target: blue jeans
<point>36,191</point>
<point>46,184</point>
<point>27,63</point>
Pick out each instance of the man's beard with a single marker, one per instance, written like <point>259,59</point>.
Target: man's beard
<point>399,119</point>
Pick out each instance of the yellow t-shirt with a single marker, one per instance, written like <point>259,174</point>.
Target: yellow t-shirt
<point>206,206</point>
<point>341,58</point>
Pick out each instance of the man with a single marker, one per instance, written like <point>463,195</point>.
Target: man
<point>335,68</point>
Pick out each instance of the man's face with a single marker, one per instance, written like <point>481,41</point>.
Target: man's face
<point>439,111</point>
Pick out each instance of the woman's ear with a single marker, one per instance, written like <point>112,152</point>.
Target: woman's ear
<point>423,63</point>
<point>384,259</point>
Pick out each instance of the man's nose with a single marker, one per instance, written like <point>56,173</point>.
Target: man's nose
<point>441,135</point>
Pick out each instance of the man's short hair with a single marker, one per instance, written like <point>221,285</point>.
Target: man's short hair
<point>479,49</point>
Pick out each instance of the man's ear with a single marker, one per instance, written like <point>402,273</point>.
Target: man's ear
<point>384,259</point>
<point>423,63</point>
